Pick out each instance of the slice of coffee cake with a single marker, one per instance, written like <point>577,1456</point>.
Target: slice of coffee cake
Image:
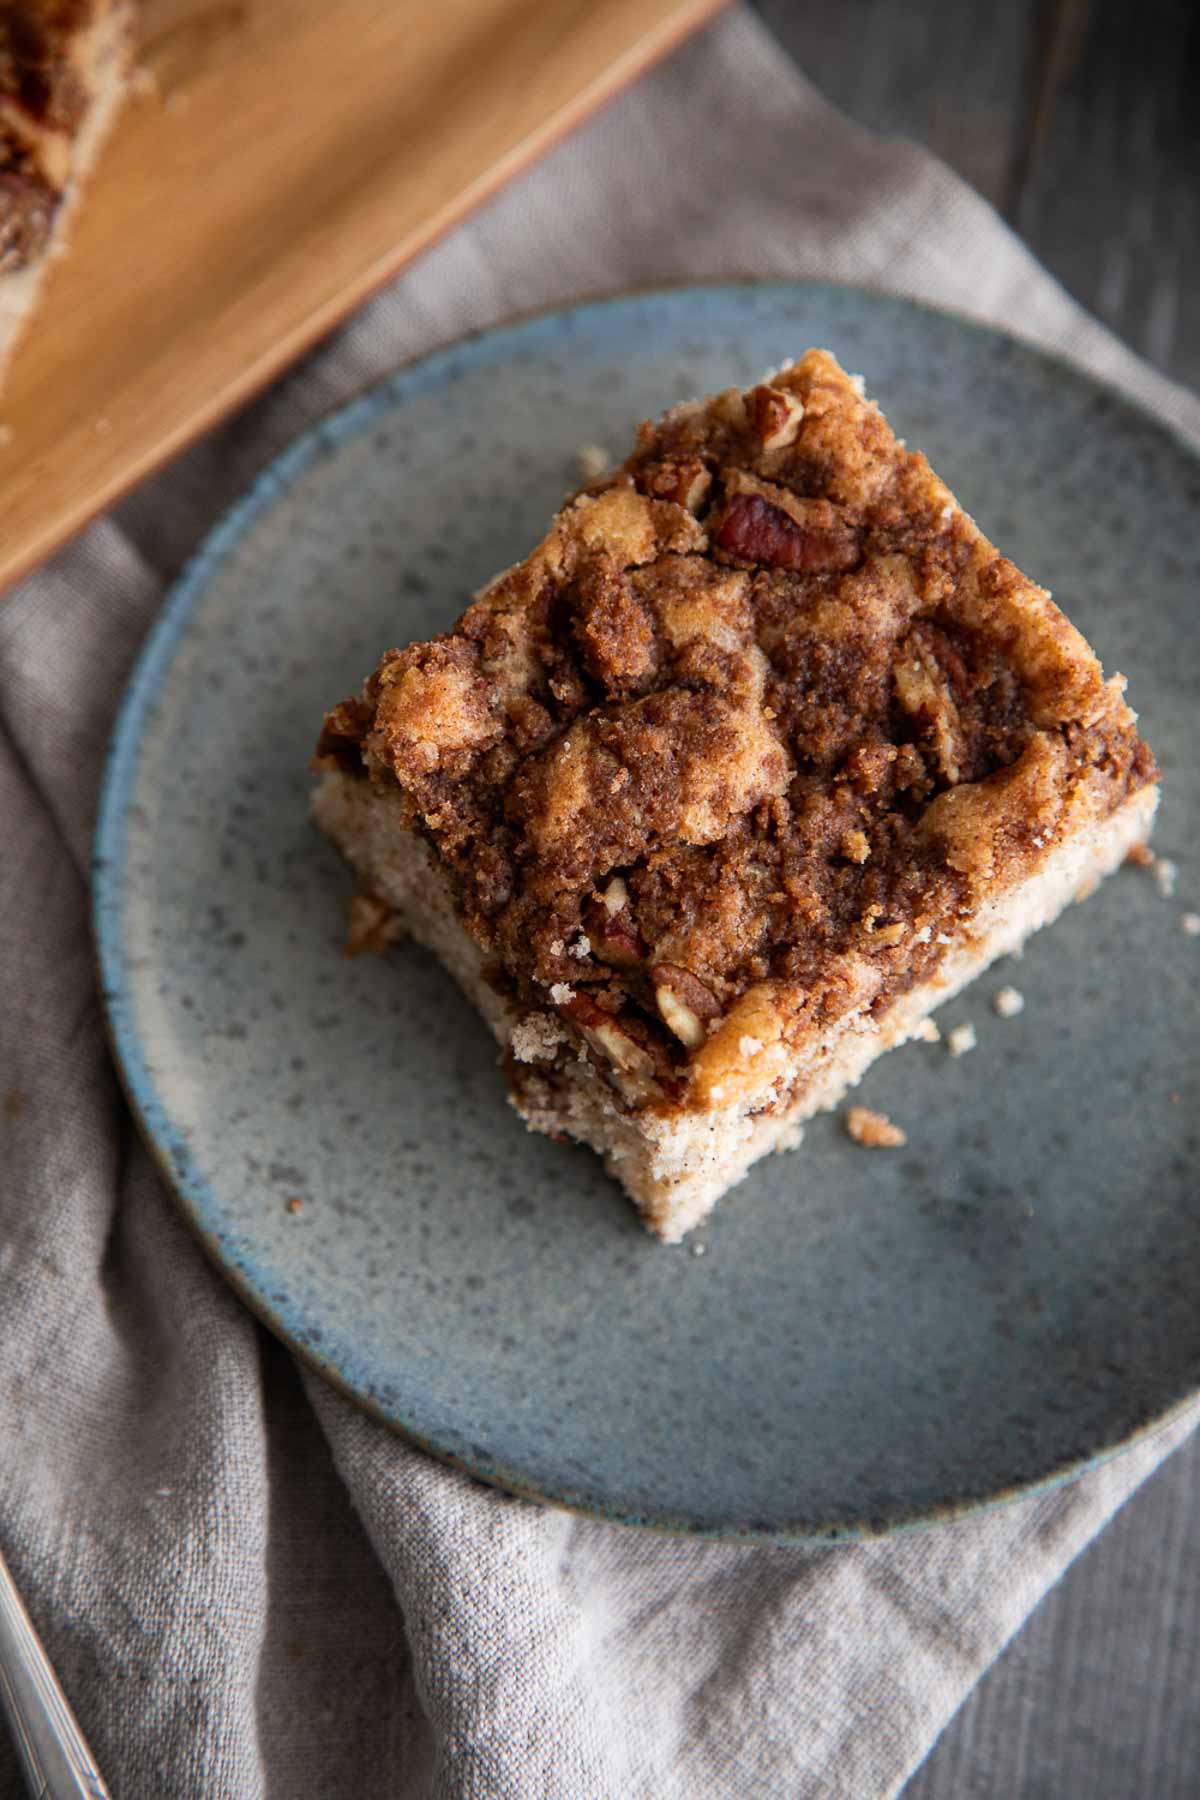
<point>63,72</point>
<point>762,754</point>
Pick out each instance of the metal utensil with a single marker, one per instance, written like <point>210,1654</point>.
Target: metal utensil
<point>57,1762</point>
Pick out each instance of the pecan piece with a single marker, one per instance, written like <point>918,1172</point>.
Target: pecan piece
<point>884,933</point>
<point>691,489</point>
<point>756,532</point>
<point>615,897</point>
<point>609,924</point>
<point>687,1007</point>
<point>923,690</point>
<point>775,416</point>
<point>686,482</point>
<point>628,1065</point>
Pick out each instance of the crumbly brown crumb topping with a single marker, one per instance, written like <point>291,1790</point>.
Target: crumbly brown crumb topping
<point>763,700</point>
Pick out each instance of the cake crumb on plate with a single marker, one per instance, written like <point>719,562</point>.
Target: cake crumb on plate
<point>1008,1002</point>
<point>1165,875</point>
<point>874,1129</point>
<point>961,1039</point>
<point>372,925</point>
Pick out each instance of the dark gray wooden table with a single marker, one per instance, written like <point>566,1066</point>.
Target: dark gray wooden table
<point>1080,121</point>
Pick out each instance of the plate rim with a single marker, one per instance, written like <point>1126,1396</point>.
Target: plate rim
<point>326,434</point>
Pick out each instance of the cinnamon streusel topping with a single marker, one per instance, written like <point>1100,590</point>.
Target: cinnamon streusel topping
<point>763,707</point>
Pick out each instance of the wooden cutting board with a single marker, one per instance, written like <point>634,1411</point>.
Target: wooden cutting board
<point>289,156</point>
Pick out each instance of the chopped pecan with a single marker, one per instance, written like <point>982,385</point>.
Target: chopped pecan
<point>609,924</point>
<point>883,932</point>
<point>628,1065</point>
<point>615,897</point>
<point>924,692</point>
<point>691,490</point>
<point>756,532</point>
<point>686,481</point>
<point>775,416</point>
<point>686,1005</point>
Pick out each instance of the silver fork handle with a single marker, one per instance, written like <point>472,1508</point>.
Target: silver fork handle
<point>57,1762</point>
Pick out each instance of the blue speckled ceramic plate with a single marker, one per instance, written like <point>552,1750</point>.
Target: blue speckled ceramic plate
<point>870,1340</point>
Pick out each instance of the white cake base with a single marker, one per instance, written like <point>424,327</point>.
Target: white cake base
<point>676,1167</point>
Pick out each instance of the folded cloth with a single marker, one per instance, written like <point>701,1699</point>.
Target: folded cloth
<point>247,1586</point>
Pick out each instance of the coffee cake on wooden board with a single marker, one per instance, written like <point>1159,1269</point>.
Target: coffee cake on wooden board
<point>762,754</point>
<point>64,66</point>
<point>276,166</point>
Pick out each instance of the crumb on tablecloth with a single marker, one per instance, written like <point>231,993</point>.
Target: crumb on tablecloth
<point>1190,924</point>
<point>1008,1002</point>
<point>961,1039</point>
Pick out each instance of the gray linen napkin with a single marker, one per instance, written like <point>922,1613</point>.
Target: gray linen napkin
<point>249,1588</point>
